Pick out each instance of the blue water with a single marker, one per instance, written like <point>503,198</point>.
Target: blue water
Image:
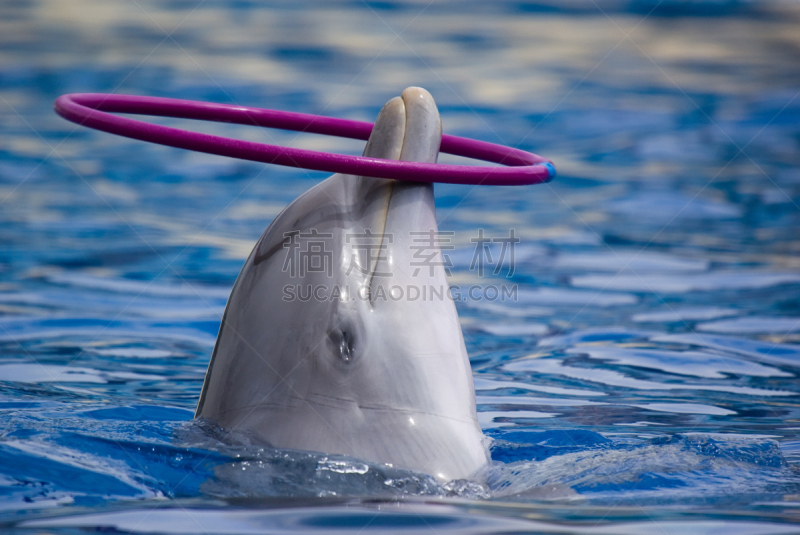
<point>643,381</point>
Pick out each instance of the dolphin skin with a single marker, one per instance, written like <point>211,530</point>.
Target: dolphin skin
<point>338,336</point>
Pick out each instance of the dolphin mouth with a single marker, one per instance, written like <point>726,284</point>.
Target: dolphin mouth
<point>383,245</point>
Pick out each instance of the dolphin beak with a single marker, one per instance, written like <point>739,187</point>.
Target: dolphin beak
<point>408,128</point>
<point>423,127</point>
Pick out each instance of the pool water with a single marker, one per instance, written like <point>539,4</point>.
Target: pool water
<point>643,378</point>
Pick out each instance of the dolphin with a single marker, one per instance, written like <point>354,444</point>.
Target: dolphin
<point>339,336</point>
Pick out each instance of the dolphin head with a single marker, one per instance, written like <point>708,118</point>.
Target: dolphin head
<point>339,336</point>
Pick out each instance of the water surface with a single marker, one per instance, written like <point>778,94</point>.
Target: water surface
<point>643,380</point>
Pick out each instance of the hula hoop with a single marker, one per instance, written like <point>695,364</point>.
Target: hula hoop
<point>95,111</point>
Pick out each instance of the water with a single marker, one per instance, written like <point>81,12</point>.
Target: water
<point>645,379</point>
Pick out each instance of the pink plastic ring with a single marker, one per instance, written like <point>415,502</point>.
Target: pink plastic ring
<point>95,111</point>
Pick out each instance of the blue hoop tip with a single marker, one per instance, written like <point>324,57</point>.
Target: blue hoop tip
<point>551,170</point>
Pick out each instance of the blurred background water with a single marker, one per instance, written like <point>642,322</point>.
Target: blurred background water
<point>644,381</point>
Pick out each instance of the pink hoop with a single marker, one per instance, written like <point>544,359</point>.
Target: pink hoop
<point>95,111</point>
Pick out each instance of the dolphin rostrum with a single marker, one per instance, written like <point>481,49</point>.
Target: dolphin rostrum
<point>339,335</point>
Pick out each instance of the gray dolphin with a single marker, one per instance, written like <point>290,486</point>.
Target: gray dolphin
<point>328,342</point>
